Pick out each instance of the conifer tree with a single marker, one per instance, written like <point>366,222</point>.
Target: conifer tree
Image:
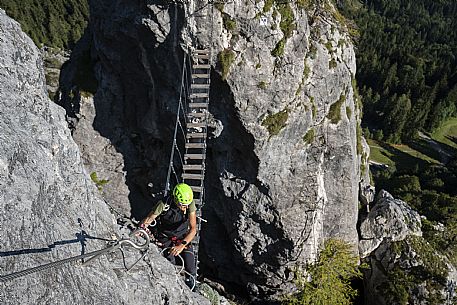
<point>328,280</point>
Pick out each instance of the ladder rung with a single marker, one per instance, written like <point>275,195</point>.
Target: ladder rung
<point>194,156</point>
<point>196,135</point>
<point>204,56</point>
<point>196,115</point>
<point>195,145</point>
<point>199,86</point>
<point>199,95</point>
<point>196,125</point>
<point>197,75</point>
<point>193,167</point>
<point>199,66</point>
<point>196,188</point>
<point>192,176</point>
<point>198,105</point>
<point>202,51</point>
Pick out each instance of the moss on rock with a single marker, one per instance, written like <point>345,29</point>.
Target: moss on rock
<point>334,113</point>
<point>226,58</point>
<point>275,122</point>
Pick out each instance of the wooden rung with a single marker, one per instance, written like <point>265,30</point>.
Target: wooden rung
<point>192,176</point>
<point>196,135</point>
<point>199,95</point>
<point>192,115</point>
<point>202,51</point>
<point>195,145</point>
<point>200,75</point>
<point>193,167</point>
<point>203,56</point>
<point>196,125</point>
<point>194,156</point>
<point>199,86</point>
<point>198,105</point>
<point>196,188</point>
<point>198,66</point>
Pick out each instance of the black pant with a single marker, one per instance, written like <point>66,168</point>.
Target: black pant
<point>187,255</point>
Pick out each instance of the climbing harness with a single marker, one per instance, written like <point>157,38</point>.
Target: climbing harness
<point>93,255</point>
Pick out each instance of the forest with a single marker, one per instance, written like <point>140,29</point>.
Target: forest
<point>54,23</point>
<point>407,77</point>
<point>406,64</point>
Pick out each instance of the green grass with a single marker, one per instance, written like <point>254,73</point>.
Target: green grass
<point>400,155</point>
<point>446,132</point>
<point>379,154</point>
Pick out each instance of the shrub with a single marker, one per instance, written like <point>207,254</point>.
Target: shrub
<point>99,183</point>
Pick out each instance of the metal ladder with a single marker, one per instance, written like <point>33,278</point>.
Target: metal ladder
<point>196,134</point>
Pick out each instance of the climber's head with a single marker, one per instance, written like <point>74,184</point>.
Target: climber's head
<point>183,194</point>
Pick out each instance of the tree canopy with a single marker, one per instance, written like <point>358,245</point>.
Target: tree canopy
<point>329,278</point>
<point>55,23</point>
<point>406,60</point>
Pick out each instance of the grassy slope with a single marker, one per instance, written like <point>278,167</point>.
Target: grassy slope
<point>447,133</point>
<point>402,156</point>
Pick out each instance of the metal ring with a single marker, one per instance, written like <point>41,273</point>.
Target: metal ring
<point>138,246</point>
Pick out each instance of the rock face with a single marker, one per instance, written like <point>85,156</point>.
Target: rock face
<point>390,219</point>
<point>404,267</point>
<point>49,208</point>
<point>282,169</point>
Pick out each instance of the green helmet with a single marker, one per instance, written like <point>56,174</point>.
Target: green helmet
<point>183,194</point>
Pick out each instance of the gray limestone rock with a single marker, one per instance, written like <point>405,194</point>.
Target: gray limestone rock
<point>272,196</point>
<point>404,267</point>
<point>49,207</point>
<point>390,219</point>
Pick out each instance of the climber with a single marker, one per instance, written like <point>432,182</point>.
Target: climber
<point>176,226</point>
